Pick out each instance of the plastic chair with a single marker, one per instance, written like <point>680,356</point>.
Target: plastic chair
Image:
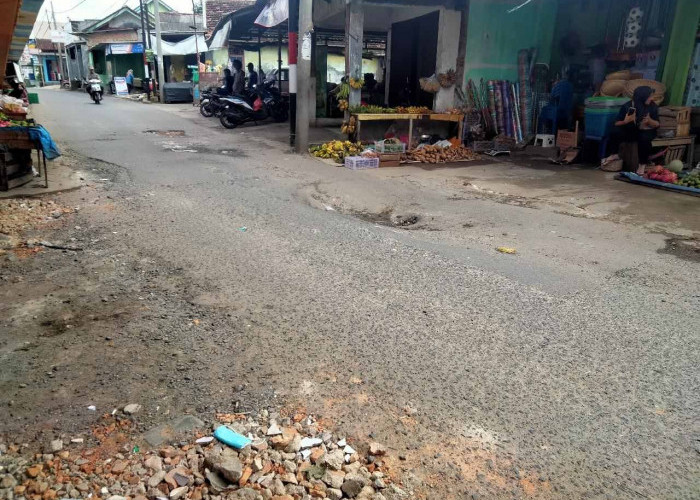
<point>558,110</point>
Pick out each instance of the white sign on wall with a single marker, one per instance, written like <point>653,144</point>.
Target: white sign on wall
<point>58,36</point>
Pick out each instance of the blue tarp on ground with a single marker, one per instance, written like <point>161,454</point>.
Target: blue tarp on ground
<point>638,179</point>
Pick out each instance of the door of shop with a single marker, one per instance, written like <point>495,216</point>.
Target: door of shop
<point>413,56</point>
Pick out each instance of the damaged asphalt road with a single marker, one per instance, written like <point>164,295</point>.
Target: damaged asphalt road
<point>576,367</point>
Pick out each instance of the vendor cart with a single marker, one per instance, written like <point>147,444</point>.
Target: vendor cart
<point>12,171</point>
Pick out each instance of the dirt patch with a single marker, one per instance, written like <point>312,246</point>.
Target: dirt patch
<point>235,153</point>
<point>683,248</point>
<point>166,133</point>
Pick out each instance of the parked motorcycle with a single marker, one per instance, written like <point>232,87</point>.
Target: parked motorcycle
<point>264,102</point>
<point>211,103</point>
<point>94,88</point>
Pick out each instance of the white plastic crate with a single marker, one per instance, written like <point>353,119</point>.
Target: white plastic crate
<point>360,162</point>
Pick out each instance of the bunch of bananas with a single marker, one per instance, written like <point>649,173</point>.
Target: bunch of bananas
<point>349,126</point>
<point>414,110</point>
<point>343,104</point>
<point>336,150</point>
<point>357,83</point>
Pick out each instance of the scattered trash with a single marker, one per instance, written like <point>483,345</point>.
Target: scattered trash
<point>507,250</point>
<point>204,469</point>
<point>329,208</point>
<point>231,438</point>
<point>77,440</point>
<point>243,229</point>
<point>92,408</point>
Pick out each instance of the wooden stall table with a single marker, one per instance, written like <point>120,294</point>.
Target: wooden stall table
<point>688,142</point>
<point>19,139</point>
<point>410,117</point>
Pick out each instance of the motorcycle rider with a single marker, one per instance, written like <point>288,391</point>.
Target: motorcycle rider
<point>92,75</point>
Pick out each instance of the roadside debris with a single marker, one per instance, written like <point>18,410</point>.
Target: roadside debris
<point>507,250</point>
<point>20,215</point>
<point>303,460</point>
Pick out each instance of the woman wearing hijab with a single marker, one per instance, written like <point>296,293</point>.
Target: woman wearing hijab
<point>635,128</point>
<point>130,80</point>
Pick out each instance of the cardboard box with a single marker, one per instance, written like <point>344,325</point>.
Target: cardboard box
<point>389,160</point>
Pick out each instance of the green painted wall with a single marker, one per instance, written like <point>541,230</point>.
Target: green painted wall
<point>681,44</point>
<point>494,37</point>
<point>593,21</point>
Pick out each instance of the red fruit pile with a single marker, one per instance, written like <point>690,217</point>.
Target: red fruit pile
<point>661,174</point>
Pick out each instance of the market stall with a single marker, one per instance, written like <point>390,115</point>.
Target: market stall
<point>20,136</point>
<point>456,118</point>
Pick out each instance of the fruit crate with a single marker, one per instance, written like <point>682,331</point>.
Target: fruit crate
<point>680,114</point>
<point>360,162</point>
<point>482,146</point>
<point>389,147</point>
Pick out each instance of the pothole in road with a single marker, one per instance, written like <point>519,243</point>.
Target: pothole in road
<point>166,133</point>
<point>386,218</point>
<point>405,220</point>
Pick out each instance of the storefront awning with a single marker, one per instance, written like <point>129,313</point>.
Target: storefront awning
<point>182,48</point>
<point>236,25</point>
<point>16,24</point>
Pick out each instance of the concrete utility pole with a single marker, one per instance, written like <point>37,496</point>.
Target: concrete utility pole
<point>306,28</point>
<point>146,75</point>
<point>354,29</point>
<point>159,49</point>
<point>293,39</point>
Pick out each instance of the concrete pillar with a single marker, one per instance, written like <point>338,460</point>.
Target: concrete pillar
<point>387,65</point>
<point>447,51</point>
<point>354,32</point>
<point>304,95</point>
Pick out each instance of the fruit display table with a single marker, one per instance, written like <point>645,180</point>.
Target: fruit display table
<point>410,117</point>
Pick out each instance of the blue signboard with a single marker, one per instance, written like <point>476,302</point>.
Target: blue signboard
<point>125,48</point>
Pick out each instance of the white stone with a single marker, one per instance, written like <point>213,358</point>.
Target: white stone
<point>205,440</point>
<point>132,408</point>
<point>348,450</point>
<point>274,429</point>
<point>308,442</point>
<point>342,443</point>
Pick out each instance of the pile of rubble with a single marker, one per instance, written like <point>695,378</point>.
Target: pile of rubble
<point>19,215</point>
<point>287,459</point>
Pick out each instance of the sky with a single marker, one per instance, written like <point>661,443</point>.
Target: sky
<point>78,10</point>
